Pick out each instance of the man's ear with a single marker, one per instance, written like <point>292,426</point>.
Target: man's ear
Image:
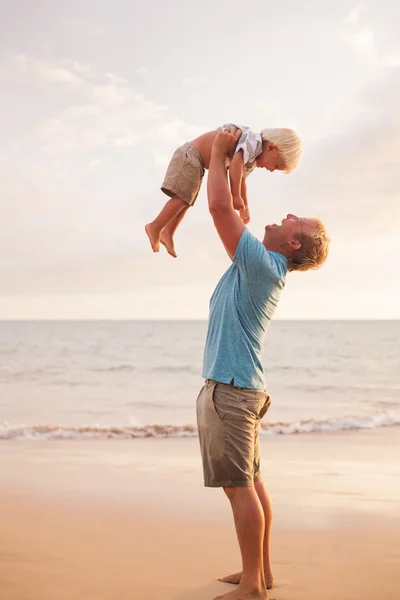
<point>295,244</point>
<point>270,147</point>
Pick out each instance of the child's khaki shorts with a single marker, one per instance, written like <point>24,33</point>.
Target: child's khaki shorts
<point>228,421</point>
<point>184,174</point>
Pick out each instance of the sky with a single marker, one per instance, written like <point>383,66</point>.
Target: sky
<point>94,98</point>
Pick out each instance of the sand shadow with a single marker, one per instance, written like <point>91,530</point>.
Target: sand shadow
<point>207,591</point>
<point>210,590</point>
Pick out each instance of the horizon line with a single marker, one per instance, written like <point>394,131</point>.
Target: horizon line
<point>172,320</point>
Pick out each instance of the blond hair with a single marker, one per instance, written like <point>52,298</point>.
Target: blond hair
<point>288,143</point>
<point>314,249</point>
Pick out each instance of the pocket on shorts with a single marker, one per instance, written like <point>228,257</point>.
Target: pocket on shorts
<point>257,403</point>
<point>211,394</point>
<point>266,406</point>
<point>192,173</point>
<point>208,415</point>
<point>193,156</point>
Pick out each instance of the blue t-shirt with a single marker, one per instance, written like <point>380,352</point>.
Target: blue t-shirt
<point>241,309</point>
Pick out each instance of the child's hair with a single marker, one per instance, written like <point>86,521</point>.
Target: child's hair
<point>288,143</point>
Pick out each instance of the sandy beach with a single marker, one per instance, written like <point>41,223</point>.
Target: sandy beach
<point>130,519</point>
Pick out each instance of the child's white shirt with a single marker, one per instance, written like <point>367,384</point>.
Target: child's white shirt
<point>251,145</point>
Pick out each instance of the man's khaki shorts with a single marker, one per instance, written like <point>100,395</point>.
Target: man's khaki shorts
<point>184,174</point>
<point>228,421</point>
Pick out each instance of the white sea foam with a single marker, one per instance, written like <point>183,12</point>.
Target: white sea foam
<point>348,423</point>
<point>51,432</point>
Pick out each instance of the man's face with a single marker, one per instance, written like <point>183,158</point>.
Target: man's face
<point>270,159</point>
<point>289,230</point>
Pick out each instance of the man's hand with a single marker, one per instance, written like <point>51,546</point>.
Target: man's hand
<point>225,141</point>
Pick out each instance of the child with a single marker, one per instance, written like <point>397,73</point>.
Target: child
<point>272,149</point>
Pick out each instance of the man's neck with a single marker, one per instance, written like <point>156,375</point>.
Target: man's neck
<point>279,250</point>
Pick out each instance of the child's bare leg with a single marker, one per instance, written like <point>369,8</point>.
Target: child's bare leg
<point>167,234</point>
<point>171,209</point>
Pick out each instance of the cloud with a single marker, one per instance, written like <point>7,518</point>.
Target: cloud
<point>160,159</point>
<point>173,132</point>
<point>352,175</point>
<point>125,141</point>
<point>354,16</point>
<point>363,42</point>
<point>392,60</point>
<point>82,162</point>
<point>43,71</point>
<point>96,110</point>
<point>77,177</point>
<point>194,82</point>
<point>88,28</point>
<point>114,78</point>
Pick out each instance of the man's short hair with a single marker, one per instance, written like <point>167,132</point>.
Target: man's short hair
<point>314,249</point>
<point>288,143</point>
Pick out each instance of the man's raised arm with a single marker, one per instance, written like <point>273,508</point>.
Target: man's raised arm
<point>227,222</point>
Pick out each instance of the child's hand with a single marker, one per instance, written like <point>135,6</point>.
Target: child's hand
<point>245,215</point>
<point>238,202</point>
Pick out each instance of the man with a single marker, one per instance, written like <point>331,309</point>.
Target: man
<point>233,400</point>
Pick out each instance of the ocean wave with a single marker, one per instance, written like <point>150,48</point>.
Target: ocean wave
<point>53,432</point>
<point>114,368</point>
<point>7,374</point>
<point>175,369</point>
<point>348,423</point>
<point>156,369</point>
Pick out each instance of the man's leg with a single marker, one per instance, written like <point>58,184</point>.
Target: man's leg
<point>249,522</point>
<point>267,510</point>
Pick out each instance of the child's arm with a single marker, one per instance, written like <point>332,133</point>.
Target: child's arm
<point>236,179</point>
<point>244,212</point>
<point>243,191</point>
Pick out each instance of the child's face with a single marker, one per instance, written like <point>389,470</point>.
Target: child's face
<point>270,159</point>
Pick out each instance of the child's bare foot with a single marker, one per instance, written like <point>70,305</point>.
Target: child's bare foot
<point>236,577</point>
<point>168,241</point>
<point>154,236</point>
<point>245,215</point>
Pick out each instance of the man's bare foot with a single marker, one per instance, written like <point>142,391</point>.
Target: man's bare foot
<point>241,594</point>
<point>168,242</point>
<point>154,236</point>
<point>235,579</point>
<point>245,215</point>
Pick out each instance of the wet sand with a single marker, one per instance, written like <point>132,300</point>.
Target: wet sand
<point>98,520</point>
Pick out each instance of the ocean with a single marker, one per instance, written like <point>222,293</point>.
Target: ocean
<point>129,379</point>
